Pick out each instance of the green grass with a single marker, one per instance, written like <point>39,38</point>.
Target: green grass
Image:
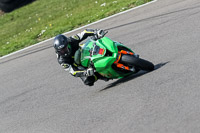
<point>44,19</point>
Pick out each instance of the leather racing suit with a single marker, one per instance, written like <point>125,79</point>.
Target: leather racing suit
<point>75,69</point>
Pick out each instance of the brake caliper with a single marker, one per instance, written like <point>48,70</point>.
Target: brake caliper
<point>122,66</point>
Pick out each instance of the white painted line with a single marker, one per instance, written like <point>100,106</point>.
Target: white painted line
<point>80,28</point>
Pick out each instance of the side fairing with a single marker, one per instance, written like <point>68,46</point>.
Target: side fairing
<point>108,44</point>
<point>102,53</point>
<point>122,47</point>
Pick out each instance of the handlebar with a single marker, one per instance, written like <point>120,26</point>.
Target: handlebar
<point>105,32</point>
<point>96,36</point>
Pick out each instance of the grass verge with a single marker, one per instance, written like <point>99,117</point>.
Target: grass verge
<point>44,19</point>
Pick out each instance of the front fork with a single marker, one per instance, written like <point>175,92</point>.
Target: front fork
<point>122,66</point>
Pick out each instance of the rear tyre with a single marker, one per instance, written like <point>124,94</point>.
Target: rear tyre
<point>137,62</point>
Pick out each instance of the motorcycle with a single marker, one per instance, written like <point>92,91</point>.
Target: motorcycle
<point>111,59</point>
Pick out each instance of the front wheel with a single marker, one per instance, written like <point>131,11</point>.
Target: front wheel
<point>142,64</point>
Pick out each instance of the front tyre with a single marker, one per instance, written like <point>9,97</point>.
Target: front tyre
<point>142,64</point>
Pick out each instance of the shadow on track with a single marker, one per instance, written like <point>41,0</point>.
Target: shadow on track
<point>131,77</point>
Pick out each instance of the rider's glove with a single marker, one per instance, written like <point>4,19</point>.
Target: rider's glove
<point>100,33</point>
<point>65,65</point>
<point>89,72</point>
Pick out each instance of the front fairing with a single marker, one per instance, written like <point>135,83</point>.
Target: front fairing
<point>96,52</point>
<point>91,52</point>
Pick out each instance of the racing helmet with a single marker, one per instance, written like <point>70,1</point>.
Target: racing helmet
<point>62,46</point>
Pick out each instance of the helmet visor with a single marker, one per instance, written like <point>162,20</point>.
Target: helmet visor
<point>65,51</point>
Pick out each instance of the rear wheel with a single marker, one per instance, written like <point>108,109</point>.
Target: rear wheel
<point>139,63</point>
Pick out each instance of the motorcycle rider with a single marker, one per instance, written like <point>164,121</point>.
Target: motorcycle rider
<point>67,47</point>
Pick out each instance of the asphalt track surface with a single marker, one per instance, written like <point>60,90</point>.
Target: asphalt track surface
<point>37,96</point>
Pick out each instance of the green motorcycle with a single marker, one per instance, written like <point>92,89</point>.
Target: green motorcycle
<point>110,59</point>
